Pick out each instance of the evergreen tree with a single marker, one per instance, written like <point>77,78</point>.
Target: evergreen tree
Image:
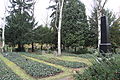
<point>115,34</point>
<point>43,35</point>
<point>74,23</point>
<point>20,22</point>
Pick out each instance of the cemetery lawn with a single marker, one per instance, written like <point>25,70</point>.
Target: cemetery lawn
<point>29,66</point>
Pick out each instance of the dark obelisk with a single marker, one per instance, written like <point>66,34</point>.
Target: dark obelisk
<point>105,43</point>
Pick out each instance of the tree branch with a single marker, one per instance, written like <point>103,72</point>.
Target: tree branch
<point>56,17</point>
<point>104,4</point>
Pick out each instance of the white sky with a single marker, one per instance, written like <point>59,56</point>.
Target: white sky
<point>42,14</point>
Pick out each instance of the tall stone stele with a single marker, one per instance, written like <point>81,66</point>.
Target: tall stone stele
<point>105,43</point>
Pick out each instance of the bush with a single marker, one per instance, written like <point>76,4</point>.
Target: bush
<point>6,73</point>
<point>87,56</point>
<point>105,69</point>
<point>35,69</point>
<point>118,50</point>
<point>69,64</point>
<point>82,51</point>
<point>92,50</point>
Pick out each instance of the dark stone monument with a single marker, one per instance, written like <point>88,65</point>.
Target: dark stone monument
<point>105,43</point>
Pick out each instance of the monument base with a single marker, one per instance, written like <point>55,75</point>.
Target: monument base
<point>105,48</point>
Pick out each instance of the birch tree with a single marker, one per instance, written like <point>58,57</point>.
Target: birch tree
<point>59,27</point>
<point>3,34</point>
<point>3,29</point>
<point>59,8</point>
<point>100,7</point>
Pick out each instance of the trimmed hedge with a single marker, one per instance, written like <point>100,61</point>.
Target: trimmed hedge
<point>87,56</point>
<point>35,69</point>
<point>6,73</point>
<point>69,64</point>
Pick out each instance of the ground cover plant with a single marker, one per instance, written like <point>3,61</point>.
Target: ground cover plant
<point>105,69</point>
<point>6,73</point>
<point>69,64</point>
<point>35,69</point>
<point>87,56</point>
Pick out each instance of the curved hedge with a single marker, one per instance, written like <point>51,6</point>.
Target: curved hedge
<point>6,73</point>
<point>69,64</point>
<point>35,69</point>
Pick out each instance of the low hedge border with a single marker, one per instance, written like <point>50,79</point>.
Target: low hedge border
<point>35,69</point>
<point>68,64</point>
<point>6,73</point>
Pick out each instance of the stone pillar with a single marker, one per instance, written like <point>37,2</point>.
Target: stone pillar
<point>105,43</point>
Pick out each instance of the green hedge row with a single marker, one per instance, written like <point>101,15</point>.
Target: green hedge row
<point>87,56</point>
<point>6,73</point>
<point>35,69</point>
<point>69,64</point>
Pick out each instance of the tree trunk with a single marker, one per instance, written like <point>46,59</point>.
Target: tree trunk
<point>59,28</point>
<point>3,38</point>
<point>22,48</point>
<point>99,28</point>
<point>68,49</point>
<point>63,47</point>
<point>32,47</point>
<point>3,31</point>
<point>19,47</point>
<point>75,49</point>
<point>41,46</point>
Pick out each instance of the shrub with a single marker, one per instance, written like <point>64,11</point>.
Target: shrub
<point>6,73</point>
<point>118,50</point>
<point>82,51</point>
<point>35,69</point>
<point>79,55</point>
<point>69,64</point>
<point>105,69</point>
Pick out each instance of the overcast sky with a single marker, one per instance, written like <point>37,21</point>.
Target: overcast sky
<point>42,14</point>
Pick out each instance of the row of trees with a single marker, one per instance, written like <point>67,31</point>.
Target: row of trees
<point>76,29</point>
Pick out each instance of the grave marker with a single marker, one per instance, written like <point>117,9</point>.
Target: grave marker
<point>105,43</point>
